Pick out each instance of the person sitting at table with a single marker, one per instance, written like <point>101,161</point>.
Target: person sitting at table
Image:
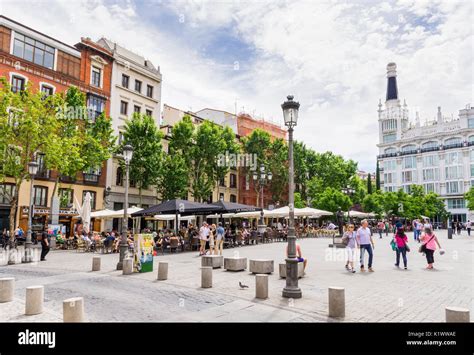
<point>245,236</point>
<point>173,238</point>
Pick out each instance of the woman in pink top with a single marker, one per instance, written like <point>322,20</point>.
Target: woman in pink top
<point>430,240</point>
<point>402,247</point>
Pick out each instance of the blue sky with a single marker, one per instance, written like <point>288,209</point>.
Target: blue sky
<point>331,55</point>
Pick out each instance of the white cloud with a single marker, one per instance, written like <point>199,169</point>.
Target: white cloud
<point>330,55</point>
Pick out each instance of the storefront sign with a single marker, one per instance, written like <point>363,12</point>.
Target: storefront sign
<point>67,212</point>
<point>143,252</point>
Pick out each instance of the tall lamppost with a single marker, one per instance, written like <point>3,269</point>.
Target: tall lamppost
<point>127,157</point>
<point>291,290</point>
<point>261,180</point>
<point>348,191</point>
<point>32,170</point>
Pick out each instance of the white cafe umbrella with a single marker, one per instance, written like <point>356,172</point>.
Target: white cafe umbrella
<point>224,215</point>
<point>86,212</point>
<point>115,214</point>
<point>172,217</point>
<point>252,214</point>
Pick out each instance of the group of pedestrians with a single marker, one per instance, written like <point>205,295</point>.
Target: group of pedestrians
<point>211,239</point>
<point>362,239</point>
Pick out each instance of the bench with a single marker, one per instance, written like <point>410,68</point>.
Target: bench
<point>235,264</point>
<point>283,270</point>
<point>261,266</point>
<point>214,261</point>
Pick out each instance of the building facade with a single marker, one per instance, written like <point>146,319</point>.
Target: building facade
<point>28,57</point>
<point>438,155</point>
<point>136,88</point>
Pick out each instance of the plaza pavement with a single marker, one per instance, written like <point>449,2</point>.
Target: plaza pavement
<point>387,295</point>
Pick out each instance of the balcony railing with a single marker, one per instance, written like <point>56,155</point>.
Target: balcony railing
<point>65,178</point>
<point>455,145</point>
<point>429,149</point>
<point>42,174</point>
<point>91,178</point>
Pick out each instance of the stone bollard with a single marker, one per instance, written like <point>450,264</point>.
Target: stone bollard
<point>96,263</point>
<point>34,300</point>
<point>162,270</point>
<point>206,276</point>
<point>261,283</point>
<point>337,302</point>
<point>7,289</point>
<point>73,310</point>
<point>457,315</point>
<point>127,266</point>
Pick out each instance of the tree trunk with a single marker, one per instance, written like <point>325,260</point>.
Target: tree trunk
<point>140,196</point>
<point>13,206</point>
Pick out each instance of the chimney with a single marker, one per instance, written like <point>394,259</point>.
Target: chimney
<point>392,90</point>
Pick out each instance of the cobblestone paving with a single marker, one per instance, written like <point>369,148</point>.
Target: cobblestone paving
<point>389,294</point>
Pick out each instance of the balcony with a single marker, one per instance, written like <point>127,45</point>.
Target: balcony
<point>91,178</point>
<point>388,155</point>
<point>408,152</point>
<point>42,174</point>
<point>67,179</point>
<point>430,149</point>
<point>456,145</point>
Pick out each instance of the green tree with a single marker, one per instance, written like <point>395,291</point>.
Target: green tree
<point>469,196</point>
<point>144,136</point>
<point>373,203</point>
<point>27,125</point>
<point>332,199</point>
<point>377,177</point>
<point>331,170</point>
<point>173,181</point>
<point>299,203</point>
<point>278,165</point>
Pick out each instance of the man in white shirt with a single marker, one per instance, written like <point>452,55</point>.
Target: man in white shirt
<point>365,242</point>
<point>468,227</point>
<point>203,236</point>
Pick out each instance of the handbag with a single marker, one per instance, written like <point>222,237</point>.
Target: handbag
<point>423,246</point>
<point>393,245</point>
<point>345,239</point>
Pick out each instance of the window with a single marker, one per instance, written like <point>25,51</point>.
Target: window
<point>149,113</point>
<point>453,172</point>
<point>47,90</point>
<point>92,174</point>
<point>95,105</point>
<point>390,178</point>
<point>388,138</point>
<point>470,123</point>
<point>390,150</point>
<point>137,109</point>
<point>389,165</point>
<point>40,196</point>
<point>233,181</point>
<point>149,91</point>
<point>452,141</point>
<point>247,182</point>
<point>408,148</point>
<point>7,191</point>
<point>456,203</point>
<point>119,177</point>
<point>452,158</point>
<point>222,182</point>
<point>66,197</point>
<point>390,188</point>
<point>431,174</point>
<point>118,206</point>
<point>221,196</point>
<point>408,176</point>
<point>123,107</point>
<point>138,86</point>
<point>18,83</point>
<point>430,160</point>
<point>125,80</point>
<point>95,77</point>
<point>452,187</point>
<point>430,187</point>
<point>407,188</point>
<point>429,145</point>
<point>93,198</point>
<point>132,183</point>
<point>42,171</point>
<point>389,125</point>
<point>33,51</point>
<point>233,198</point>
<point>409,163</point>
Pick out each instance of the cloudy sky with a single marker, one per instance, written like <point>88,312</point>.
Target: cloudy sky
<point>248,55</point>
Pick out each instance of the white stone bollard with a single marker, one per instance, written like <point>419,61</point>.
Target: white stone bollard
<point>34,300</point>
<point>261,283</point>
<point>73,310</point>
<point>7,289</point>
<point>127,266</point>
<point>457,315</point>
<point>162,270</point>
<point>337,302</point>
<point>96,263</point>
<point>206,276</point>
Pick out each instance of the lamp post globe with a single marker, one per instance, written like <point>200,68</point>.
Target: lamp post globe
<point>290,115</point>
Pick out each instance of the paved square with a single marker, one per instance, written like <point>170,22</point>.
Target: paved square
<point>387,295</point>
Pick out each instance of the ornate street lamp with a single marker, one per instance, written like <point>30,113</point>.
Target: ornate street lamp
<point>127,157</point>
<point>32,170</point>
<point>291,290</point>
<point>348,191</point>
<point>261,180</point>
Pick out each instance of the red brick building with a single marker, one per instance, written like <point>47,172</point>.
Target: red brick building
<point>29,57</point>
<point>246,124</point>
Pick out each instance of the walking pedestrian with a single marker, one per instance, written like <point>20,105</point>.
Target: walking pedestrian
<point>366,243</point>
<point>468,227</point>
<point>387,228</point>
<point>350,234</point>
<point>419,230</point>
<point>402,248</point>
<point>203,235</point>
<point>219,239</point>
<point>211,238</point>
<point>428,247</point>
<point>459,227</point>
<point>380,227</point>
<point>45,245</point>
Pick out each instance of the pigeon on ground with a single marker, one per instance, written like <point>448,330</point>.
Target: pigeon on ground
<point>242,285</point>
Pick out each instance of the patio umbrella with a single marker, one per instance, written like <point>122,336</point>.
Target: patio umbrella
<point>232,207</point>
<point>115,214</point>
<point>86,212</point>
